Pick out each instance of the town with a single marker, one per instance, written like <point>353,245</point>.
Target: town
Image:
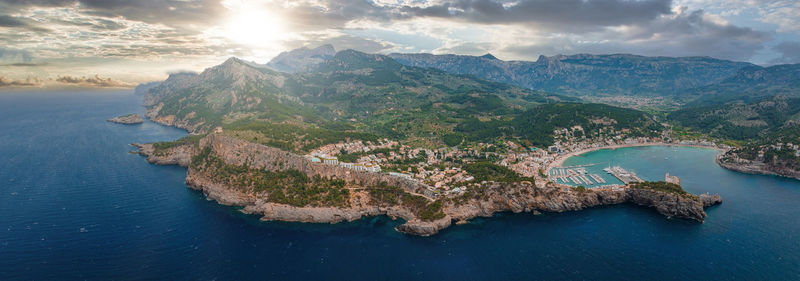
<point>447,169</point>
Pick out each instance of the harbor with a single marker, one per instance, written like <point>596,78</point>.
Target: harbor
<point>623,175</point>
<point>576,175</point>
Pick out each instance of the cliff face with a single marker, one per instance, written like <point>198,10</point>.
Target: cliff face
<point>180,155</point>
<point>527,198</point>
<point>755,167</point>
<point>492,197</point>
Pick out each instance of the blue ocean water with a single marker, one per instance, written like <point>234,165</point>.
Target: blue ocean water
<point>75,205</point>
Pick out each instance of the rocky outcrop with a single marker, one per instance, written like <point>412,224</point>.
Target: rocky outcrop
<point>178,155</point>
<point>551,198</point>
<point>127,119</point>
<point>493,197</point>
<point>754,167</point>
<point>153,113</point>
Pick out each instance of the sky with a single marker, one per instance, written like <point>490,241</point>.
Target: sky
<point>120,43</point>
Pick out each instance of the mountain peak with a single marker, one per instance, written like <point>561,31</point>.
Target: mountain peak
<point>302,59</point>
<point>351,60</point>
<point>489,56</point>
<point>233,60</point>
<point>325,49</point>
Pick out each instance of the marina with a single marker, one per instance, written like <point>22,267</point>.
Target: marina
<point>576,175</point>
<point>623,175</point>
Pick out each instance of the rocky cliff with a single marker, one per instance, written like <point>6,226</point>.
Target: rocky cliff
<point>754,167</point>
<point>179,155</point>
<point>483,200</point>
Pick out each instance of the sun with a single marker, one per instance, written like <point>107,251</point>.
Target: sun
<point>253,25</point>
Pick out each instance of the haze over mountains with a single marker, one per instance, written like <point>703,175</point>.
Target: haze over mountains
<point>416,96</point>
<point>586,74</point>
<point>686,79</point>
<point>354,93</point>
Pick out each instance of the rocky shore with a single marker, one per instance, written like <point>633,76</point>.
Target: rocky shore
<point>754,167</point>
<point>127,119</point>
<point>493,196</point>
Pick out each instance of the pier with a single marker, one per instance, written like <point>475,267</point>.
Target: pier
<point>623,175</point>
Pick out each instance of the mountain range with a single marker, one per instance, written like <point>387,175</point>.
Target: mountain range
<point>585,74</point>
<point>694,81</point>
<point>427,98</point>
<point>354,93</point>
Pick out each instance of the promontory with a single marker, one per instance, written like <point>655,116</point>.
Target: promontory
<point>127,119</point>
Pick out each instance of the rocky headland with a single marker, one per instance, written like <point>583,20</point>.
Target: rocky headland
<point>734,163</point>
<point>283,186</point>
<point>128,119</point>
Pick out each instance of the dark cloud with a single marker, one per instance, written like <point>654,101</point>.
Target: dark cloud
<point>27,82</point>
<point>789,51</point>
<point>682,34</point>
<point>555,14</point>
<point>549,12</point>
<point>16,22</point>
<point>9,21</point>
<point>93,81</point>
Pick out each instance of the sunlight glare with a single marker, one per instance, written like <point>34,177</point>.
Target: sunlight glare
<point>253,26</point>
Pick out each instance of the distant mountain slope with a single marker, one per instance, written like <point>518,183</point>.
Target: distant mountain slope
<point>585,74</point>
<point>351,88</point>
<point>742,121</point>
<point>229,91</point>
<point>364,96</point>
<point>749,84</point>
<point>302,59</point>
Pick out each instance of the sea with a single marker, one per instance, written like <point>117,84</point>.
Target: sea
<point>75,205</point>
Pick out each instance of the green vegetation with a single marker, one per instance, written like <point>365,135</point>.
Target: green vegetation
<point>290,187</point>
<point>741,121</point>
<point>392,195</point>
<point>536,125</point>
<point>661,186</point>
<point>353,157</point>
<point>774,156</point>
<point>291,137</point>
<point>487,171</point>
<point>452,139</point>
<point>161,147</point>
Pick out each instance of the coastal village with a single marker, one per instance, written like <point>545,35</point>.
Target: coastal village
<point>443,169</point>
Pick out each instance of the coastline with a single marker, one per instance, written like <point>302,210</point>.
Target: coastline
<point>495,196</point>
<point>559,160</point>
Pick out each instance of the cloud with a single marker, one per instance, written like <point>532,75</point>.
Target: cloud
<point>789,53</point>
<point>682,33</point>
<point>149,32</point>
<point>9,55</point>
<point>27,82</point>
<point>554,13</point>
<point>17,22</point>
<point>93,81</point>
<point>150,11</point>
